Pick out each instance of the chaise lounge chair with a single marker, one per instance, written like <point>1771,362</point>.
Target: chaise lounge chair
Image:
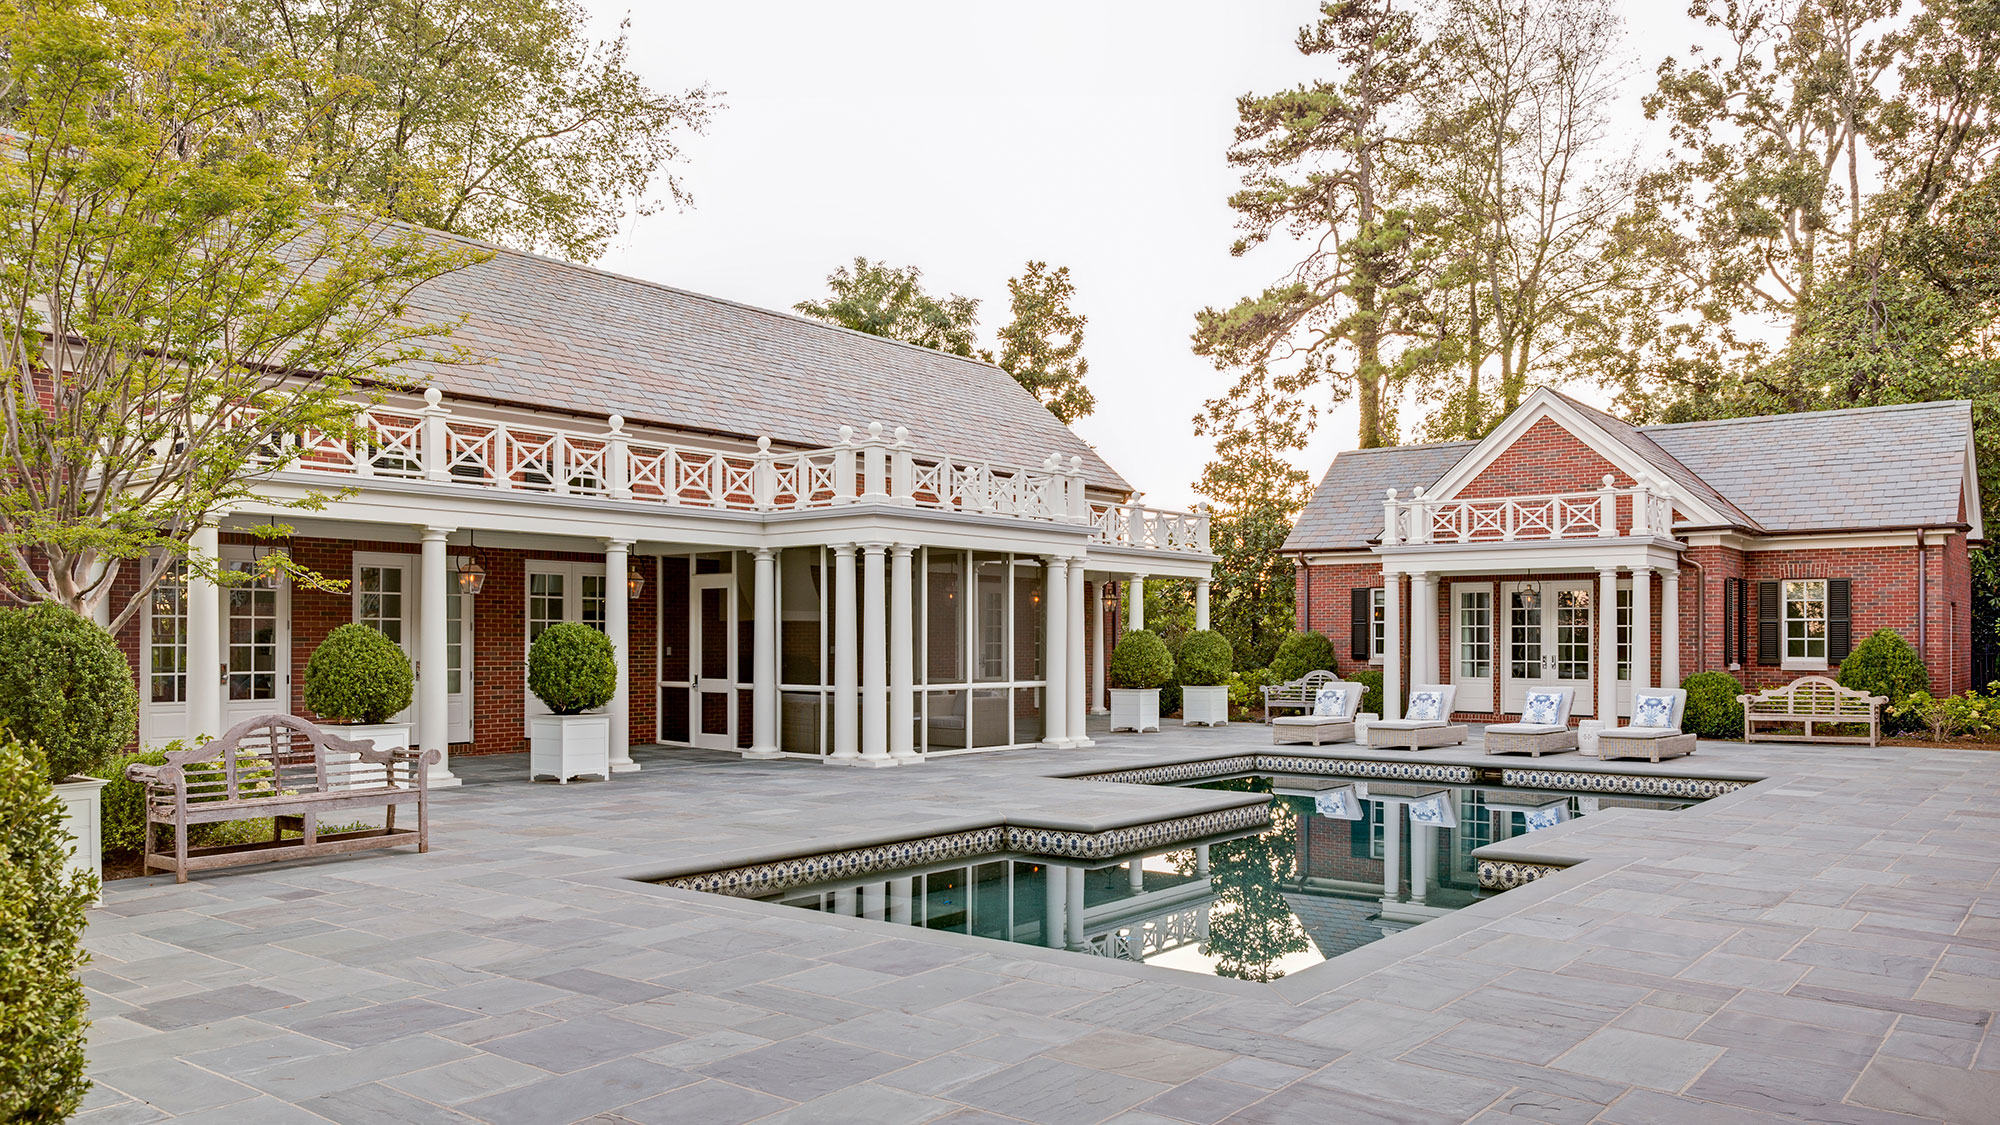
<point>1332,718</point>
<point>1655,730</point>
<point>1427,722</point>
<point>1543,727</point>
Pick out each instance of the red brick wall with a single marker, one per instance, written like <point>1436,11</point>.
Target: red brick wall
<point>1323,604</point>
<point>1549,459</point>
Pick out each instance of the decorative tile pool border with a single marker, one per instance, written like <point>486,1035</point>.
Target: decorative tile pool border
<point>751,880</point>
<point>1692,788</point>
<point>1502,875</point>
<point>1288,763</point>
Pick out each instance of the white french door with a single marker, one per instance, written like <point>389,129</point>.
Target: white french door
<point>1472,630</point>
<point>458,664</point>
<point>256,644</point>
<point>1550,631</point>
<point>385,600</point>
<point>712,661</point>
<point>559,592</point>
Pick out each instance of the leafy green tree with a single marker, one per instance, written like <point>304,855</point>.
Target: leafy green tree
<point>884,300</point>
<point>1042,347</point>
<point>1251,927</point>
<point>1321,175</point>
<point>1258,493</point>
<point>176,306</point>
<point>498,119</point>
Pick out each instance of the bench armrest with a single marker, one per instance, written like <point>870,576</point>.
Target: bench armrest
<point>156,777</point>
<point>428,757</point>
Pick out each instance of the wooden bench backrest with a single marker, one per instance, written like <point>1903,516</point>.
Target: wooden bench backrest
<point>1305,688</point>
<point>263,756</point>
<point>1812,695</point>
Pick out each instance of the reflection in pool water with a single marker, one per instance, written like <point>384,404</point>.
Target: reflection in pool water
<point>1343,863</point>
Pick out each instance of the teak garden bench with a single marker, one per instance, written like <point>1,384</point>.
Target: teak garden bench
<point>277,766</point>
<point>1301,693</point>
<point>1809,700</point>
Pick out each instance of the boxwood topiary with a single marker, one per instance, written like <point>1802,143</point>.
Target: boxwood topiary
<point>1885,664</point>
<point>357,675</point>
<point>1301,653</point>
<point>1205,659</point>
<point>65,688</point>
<point>42,908</point>
<point>572,668</point>
<point>1371,699</point>
<point>1141,660</point>
<point>1712,710</point>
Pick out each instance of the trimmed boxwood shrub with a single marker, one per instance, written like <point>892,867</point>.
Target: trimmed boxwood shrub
<point>65,688</point>
<point>1886,664</point>
<point>357,675</point>
<point>42,908</point>
<point>572,668</point>
<point>1371,699</point>
<point>1712,710</point>
<point>1301,653</point>
<point>1141,660</point>
<point>1205,659</point>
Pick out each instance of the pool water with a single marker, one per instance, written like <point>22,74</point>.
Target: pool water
<point>1343,863</point>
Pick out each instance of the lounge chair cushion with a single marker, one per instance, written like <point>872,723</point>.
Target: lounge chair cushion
<point>1643,732</point>
<point>1526,728</point>
<point>1405,724</point>
<point>1305,721</point>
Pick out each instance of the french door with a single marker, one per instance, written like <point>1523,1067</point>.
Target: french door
<point>712,661</point>
<point>386,599</point>
<point>1550,630</point>
<point>256,644</point>
<point>559,592</point>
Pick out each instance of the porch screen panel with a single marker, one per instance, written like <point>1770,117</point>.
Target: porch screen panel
<point>1030,618</point>
<point>166,640</point>
<point>944,617</point>
<point>801,586</point>
<point>989,625</point>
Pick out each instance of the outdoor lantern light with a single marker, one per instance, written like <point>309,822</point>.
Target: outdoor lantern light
<point>1531,595</point>
<point>634,581</point>
<point>471,576</point>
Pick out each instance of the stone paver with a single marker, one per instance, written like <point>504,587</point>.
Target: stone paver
<point>1823,946</point>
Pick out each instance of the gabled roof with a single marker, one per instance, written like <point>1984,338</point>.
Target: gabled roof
<point>567,337</point>
<point>1832,470</point>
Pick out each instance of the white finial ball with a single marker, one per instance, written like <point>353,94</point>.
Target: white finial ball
<point>875,431</point>
<point>764,444</point>
<point>617,421</point>
<point>902,434</point>
<point>846,434</point>
<point>433,396</point>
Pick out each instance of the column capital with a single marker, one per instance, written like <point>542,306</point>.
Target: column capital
<point>1055,562</point>
<point>842,549</point>
<point>874,546</point>
<point>766,552</point>
<point>902,550</point>
<point>1608,571</point>
<point>435,534</point>
<point>612,543</point>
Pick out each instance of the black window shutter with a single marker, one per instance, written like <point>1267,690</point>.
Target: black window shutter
<point>1358,834</point>
<point>1732,609</point>
<point>1743,620</point>
<point>1839,619</point>
<point>1769,622</point>
<point>1363,601</point>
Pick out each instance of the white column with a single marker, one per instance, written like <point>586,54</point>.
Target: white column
<point>1075,904</point>
<point>433,714</point>
<point>764,657</point>
<point>204,644</point>
<point>1055,900</point>
<point>1423,628</point>
<point>1201,603</point>
<point>1423,860</point>
<point>902,656</point>
<point>1607,646</point>
<point>1392,646</point>
<point>1073,690</point>
<point>1055,652</point>
<point>1642,628</point>
<point>902,894</point>
<point>1136,876</point>
<point>1392,851</point>
<point>875,901</point>
<point>874,658</point>
<point>618,627</point>
<point>1135,602</point>
<point>1201,859</point>
<point>846,669</point>
<point>1101,659</point>
<point>1670,628</point>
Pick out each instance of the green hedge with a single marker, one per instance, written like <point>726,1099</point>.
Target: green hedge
<point>1371,699</point>
<point>41,947</point>
<point>1141,660</point>
<point>1301,653</point>
<point>1712,710</point>
<point>572,668</point>
<point>357,675</point>
<point>1885,664</point>
<point>1205,659</point>
<point>65,688</point>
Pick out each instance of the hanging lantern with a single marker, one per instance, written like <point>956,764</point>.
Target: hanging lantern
<point>1531,595</point>
<point>634,581</point>
<point>471,576</point>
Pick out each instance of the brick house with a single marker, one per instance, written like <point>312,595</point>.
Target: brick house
<point>728,492</point>
<point>1766,547</point>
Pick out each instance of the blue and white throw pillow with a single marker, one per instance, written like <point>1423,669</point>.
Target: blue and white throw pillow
<point>1542,708</point>
<point>1335,804</point>
<point>1428,811</point>
<point>1544,817</point>
<point>1330,703</point>
<point>1426,706</point>
<point>1656,711</point>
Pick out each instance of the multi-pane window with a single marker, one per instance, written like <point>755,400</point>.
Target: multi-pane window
<point>1524,647</point>
<point>1805,619</point>
<point>1572,634</point>
<point>379,600</point>
<point>1475,634</point>
<point>1624,634</point>
<point>166,641</point>
<point>591,608</point>
<point>454,643</point>
<point>1378,631</point>
<point>253,636</point>
<point>545,602</point>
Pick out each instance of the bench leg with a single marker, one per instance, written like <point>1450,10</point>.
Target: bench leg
<point>181,847</point>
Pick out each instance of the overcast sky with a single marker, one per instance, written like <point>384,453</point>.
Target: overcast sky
<point>966,139</point>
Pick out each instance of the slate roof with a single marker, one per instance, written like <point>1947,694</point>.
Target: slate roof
<point>1829,470</point>
<point>572,338</point>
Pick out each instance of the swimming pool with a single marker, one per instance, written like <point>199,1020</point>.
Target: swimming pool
<point>1343,862</point>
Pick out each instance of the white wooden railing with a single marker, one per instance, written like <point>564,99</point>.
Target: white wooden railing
<point>878,465</point>
<point>1136,941</point>
<point>1641,510</point>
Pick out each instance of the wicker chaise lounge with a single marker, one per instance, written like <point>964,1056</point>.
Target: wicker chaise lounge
<point>1543,727</point>
<point>1331,720</point>
<point>1655,730</point>
<point>1427,723</point>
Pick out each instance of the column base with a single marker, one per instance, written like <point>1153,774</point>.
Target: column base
<point>1057,743</point>
<point>907,758</point>
<point>626,766</point>
<point>445,780</point>
<point>1082,743</point>
<point>1100,711</point>
<point>754,754</point>
<point>863,761</point>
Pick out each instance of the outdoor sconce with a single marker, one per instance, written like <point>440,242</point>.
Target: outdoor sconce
<point>634,581</point>
<point>471,576</point>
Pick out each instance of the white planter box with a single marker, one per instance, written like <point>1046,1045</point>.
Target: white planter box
<point>345,770</point>
<point>83,817</point>
<point>1205,706</point>
<point>1134,709</point>
<point>566,746</point>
